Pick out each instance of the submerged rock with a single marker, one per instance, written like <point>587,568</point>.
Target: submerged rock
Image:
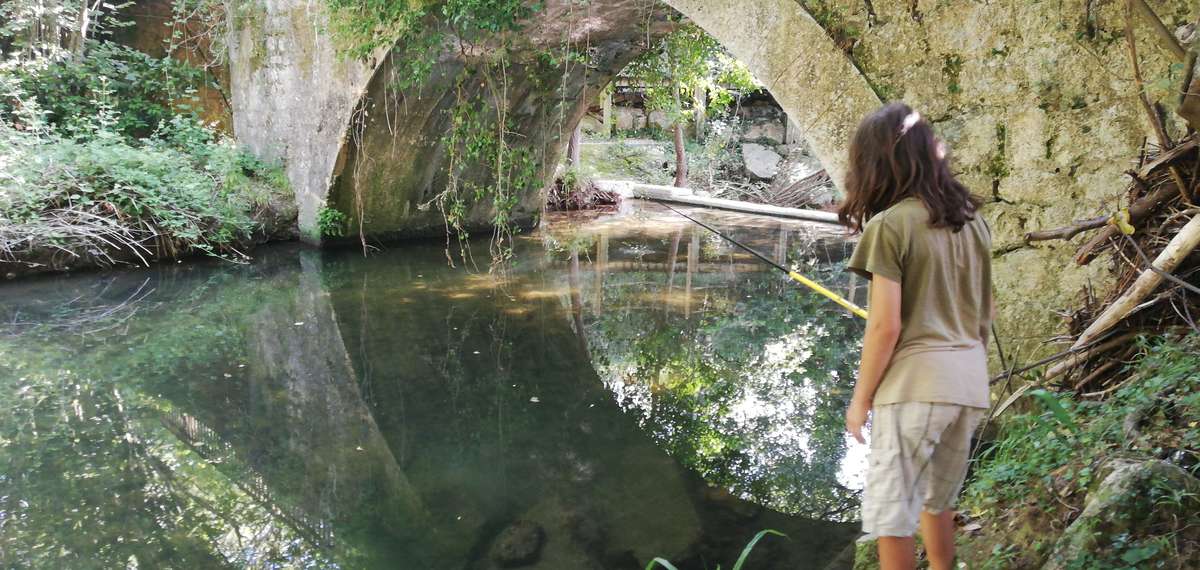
<point>519,544</point>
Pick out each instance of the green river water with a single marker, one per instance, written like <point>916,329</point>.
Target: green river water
<point>628,386</point>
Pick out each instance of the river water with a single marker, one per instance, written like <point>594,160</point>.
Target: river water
<point>627,386</point>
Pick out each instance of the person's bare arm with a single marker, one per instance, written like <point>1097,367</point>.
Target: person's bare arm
<point>879,342</point>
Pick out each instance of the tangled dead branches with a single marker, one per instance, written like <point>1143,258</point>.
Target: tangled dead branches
<point>1153,243</point>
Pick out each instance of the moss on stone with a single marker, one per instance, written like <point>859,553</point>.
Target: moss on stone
<point>997,165</point>
<point>248,19</point>
<point>952,69</point>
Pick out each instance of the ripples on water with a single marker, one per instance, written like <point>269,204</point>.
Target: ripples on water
<point>629,384</point>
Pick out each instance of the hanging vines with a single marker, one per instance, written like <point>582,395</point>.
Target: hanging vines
<point>481,133</point>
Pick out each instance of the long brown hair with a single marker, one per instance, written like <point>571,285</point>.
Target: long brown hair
<point>895,155</point>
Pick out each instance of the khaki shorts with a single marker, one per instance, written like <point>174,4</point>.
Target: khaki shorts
<point>918,461</point>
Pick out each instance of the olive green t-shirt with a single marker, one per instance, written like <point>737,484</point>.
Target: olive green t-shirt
<point>946,287</point>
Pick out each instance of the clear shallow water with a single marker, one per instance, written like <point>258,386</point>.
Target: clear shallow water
<point>629,384</point>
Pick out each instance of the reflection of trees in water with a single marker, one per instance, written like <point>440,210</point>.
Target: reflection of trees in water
<point>93,478</point>
<point>748,390</point>
<point>448,376</point>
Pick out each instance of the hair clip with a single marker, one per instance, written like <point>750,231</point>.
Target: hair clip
<point>909,121</point>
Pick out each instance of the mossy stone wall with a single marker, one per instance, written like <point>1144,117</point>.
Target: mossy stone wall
<point>1037,102</point>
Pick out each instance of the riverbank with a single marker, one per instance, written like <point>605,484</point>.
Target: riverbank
<point>111,156</point>
<point>101,199</point>
<point>1102,480</point>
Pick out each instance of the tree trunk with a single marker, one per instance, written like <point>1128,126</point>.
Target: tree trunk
<point>601,266</point>
<point>680,157</point>
<point>573,147</point>
<point>577,300</point>
<point>79,32</point>
<point>693,264</point>
<point>680,152</point>
<point>606,113</point>
<point>701,113</point>
<point>672,258</point>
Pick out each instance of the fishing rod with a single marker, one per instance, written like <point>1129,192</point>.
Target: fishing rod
<point>858,311</point>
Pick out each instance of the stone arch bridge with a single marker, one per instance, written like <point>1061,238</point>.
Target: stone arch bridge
<point>1035,99</point>
<point>349,143</point>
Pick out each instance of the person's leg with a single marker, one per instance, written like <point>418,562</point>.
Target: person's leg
<point>948,467</point>
<point>937,532</point>
<point>903,437</point>
<point>897,553</point>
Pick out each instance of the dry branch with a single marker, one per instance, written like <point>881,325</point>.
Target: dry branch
<point>1165,225</point>
<point>1067,232</point>
<point>1164,36</point>
<point>1160,131</point>
<point>1176,251</point>
<point>1077,358</point>
<point>1099,371</point>
<point>1139,211</point>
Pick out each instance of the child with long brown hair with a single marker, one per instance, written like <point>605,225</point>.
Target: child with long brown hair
<point>923,375</point>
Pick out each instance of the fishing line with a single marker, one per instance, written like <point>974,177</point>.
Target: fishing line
<point>795,276</point>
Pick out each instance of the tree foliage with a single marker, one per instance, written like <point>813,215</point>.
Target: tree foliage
<point>101,149</point>
<point>694,63</point>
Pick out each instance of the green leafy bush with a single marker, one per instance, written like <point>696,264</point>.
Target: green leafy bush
<point>145,91</point>
<point>331,222</point>
<point>182,188</point>
<point>1037,474</point>
<point>101,153</point>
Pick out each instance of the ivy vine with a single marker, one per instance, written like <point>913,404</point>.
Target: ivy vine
<point>417,33</point>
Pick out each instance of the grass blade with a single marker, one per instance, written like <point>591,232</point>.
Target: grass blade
<point>1050,401</point>
<point>750,546</point>
<point>662,563</point>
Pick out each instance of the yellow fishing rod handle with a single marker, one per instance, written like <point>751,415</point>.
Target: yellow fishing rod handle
<point>857,310</point>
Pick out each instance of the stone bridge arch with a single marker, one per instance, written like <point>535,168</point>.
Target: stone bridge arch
<point>1034,100</point>
<point>793,56</point>
<point>295,99</point>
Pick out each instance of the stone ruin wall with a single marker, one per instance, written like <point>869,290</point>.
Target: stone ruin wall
<point>1037,102</point>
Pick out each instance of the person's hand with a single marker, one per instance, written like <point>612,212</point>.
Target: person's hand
<point>856,418</point>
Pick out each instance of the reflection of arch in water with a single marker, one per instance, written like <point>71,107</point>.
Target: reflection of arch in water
<point>573,451</point>
<point>462,439</point>
<point>208,444</point>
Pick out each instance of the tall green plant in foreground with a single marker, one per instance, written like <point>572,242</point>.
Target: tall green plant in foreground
<point>736,565</point>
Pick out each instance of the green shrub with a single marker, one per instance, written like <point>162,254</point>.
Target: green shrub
<point>145,91</point>
<point>99,152</point>
<point>331,222</point>
<point>1045,462</point>
<point>183,187</point>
